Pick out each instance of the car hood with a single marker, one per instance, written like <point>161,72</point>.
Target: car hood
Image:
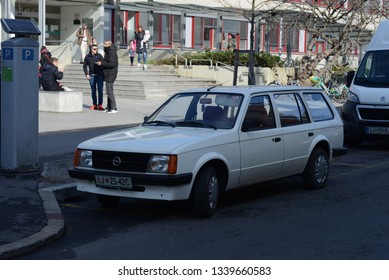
<point>371,95</point>
<point>156,139</point>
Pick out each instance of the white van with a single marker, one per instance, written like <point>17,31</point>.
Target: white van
<point>366,112</point>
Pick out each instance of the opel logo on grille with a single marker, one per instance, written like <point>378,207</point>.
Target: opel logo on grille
<point>116,161</point>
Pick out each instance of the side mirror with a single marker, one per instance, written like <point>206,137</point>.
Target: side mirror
<point>349,78</point>
<point>145,118</point>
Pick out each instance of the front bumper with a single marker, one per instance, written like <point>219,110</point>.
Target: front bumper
<point>156,187</point>
<point>137,180</point>
<point>355,128</point>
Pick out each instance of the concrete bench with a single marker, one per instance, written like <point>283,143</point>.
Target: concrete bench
<point>60,101</point>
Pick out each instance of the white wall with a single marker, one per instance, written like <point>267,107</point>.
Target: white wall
<point>68,29</point>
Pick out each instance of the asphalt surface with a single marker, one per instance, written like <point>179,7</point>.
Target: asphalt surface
<point>29,212</point>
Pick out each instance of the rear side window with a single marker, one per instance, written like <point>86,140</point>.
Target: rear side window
<point>318,106</point>
<point>291,109</point>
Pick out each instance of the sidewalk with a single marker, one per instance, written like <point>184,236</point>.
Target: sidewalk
<point>30,215</point>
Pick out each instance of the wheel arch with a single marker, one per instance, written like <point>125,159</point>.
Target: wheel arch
<point>323,144</point>
<point>221,168</point>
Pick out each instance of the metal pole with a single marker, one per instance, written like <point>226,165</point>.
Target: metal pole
<point>42,22</point>
<point>117,25</point>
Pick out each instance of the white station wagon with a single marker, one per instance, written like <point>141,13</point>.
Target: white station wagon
<point>203,142</point>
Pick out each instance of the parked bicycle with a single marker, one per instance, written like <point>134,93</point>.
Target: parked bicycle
<point>276,81</point>
<point>292,82</point>
<point>335,92</point>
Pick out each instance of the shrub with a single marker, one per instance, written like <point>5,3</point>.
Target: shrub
<point>227,57</point>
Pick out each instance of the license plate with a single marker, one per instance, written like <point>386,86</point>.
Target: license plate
<point>113,182</point>
<point>377,130</point>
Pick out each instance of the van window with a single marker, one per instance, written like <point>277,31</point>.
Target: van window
<point>374,70</point>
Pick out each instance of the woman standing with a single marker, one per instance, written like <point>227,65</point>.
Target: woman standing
<point>140,48</point>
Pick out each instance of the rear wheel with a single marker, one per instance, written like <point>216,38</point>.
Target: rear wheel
<point>108,200</point>
<point>316,172</point>
<point>205,194</point>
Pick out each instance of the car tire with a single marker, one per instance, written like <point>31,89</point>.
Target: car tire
<point>108,200</point>
<point>316,172</point>
<point>205,194</point>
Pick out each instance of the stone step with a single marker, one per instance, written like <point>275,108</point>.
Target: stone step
<point>134,82</point>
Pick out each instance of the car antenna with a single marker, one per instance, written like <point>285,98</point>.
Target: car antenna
<point>209,89</point>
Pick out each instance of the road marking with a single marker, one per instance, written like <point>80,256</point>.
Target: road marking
<point>351,164</point>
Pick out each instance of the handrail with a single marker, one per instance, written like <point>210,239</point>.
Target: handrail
<point>201,59</point>
<point>186,60</point>
<point>64,45</point>
<point>225,65</point>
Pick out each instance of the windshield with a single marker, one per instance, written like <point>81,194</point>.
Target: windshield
<point>205,109</point>
<point>374,70</point>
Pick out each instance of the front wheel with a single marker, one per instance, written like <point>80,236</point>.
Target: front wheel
<point>205,194</point>
<point>316,172</point>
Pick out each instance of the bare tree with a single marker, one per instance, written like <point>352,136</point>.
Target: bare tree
<point>251,10</point>
<point>342,25</point>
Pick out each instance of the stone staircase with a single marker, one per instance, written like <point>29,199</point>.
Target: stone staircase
<point>134,82</point>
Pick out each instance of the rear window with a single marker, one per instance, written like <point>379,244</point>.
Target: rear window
<point>318,106</point>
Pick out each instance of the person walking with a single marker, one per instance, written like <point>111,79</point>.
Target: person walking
<point>131,48</point>
<point>84,40</point>
<point>50,76</point>
<point>140,48</point>
<point>94,73</point>
<point>110,65</point>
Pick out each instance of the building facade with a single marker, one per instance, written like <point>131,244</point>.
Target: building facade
<point>177,24</point>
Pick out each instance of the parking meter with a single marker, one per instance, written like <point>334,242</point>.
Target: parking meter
<point>19,97</point>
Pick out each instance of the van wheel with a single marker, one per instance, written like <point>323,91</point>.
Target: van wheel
<point>205,194</point>
<point>108,200</point>
<point>316,172</point>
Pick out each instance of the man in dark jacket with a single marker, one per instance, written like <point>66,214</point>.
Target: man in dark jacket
<point>50,76</point>
<point>94,73</point>
<point>110,68</point>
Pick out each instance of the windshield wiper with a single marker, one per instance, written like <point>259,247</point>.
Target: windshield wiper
<point>196,124</point>
<point>160,123</point>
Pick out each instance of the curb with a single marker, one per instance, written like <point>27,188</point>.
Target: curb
<point>54,228</point>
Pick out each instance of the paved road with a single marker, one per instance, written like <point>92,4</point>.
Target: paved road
<point>277,220</point>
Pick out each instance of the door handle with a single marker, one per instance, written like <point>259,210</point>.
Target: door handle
<point>277,139</point>
<point>310,134</point>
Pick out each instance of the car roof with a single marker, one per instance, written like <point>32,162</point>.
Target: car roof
<point>248,90</point>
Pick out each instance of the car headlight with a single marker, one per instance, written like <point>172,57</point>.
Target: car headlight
<point>352,97</point>
<point>163,164</point>
<point>83,158</point>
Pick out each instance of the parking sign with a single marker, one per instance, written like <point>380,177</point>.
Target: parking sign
<point>27,54</point>
<point>8,54</point>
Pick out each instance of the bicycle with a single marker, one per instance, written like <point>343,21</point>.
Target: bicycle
<point>276,81</point>
<point>292,82</point>
<point>337,93</point>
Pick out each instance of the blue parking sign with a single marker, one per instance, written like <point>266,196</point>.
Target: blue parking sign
<point>27,54</point>
<point>8,54</point>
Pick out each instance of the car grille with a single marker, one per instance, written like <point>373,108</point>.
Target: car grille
<point>120,161</point>
<point>374,114</point>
